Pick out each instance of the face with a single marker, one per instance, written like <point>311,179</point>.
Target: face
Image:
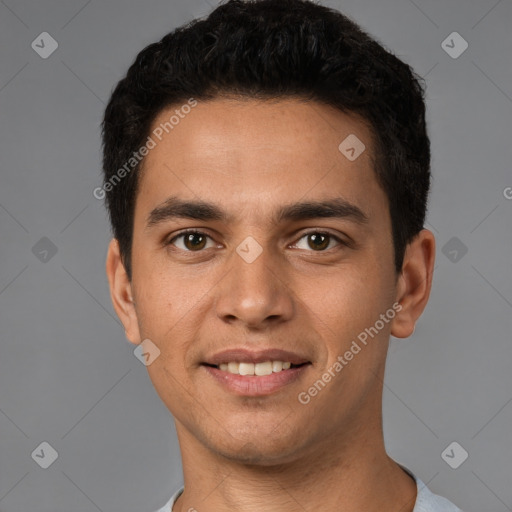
<point>260,273</point>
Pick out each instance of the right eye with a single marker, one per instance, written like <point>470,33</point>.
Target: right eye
<point>192,240</point>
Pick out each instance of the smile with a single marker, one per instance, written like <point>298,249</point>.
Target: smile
<point>255,379</point>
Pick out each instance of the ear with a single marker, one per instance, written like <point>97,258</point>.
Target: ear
<point>121,292</point>
<point>414,283</point>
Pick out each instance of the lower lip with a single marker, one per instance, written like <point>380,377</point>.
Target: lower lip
<point>253,385</point>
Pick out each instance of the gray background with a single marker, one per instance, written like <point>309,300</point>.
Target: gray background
<point>67,374</point>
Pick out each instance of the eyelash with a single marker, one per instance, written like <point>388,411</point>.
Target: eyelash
<point>312,232</point>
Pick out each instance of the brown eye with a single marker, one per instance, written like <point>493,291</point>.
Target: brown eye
<point>319,241</point>
<point>192,241</point>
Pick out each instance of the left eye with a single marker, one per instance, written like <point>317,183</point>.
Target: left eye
<point>318,240</point>
<point>194,241</point>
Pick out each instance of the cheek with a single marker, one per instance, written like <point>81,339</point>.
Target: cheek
<point>350,301</point>
<point>168,300</point>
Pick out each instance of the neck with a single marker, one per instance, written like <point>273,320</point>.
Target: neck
<point>339,472</point>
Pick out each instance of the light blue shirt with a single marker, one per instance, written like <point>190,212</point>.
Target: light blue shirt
<point>425,500</point>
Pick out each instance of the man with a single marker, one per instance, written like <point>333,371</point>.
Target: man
<point>266,173</point>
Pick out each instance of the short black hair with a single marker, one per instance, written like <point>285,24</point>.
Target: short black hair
<point>271,49</point>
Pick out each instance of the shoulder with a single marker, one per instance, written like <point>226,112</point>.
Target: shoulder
<point>168,506</point>
<point>426,501</point>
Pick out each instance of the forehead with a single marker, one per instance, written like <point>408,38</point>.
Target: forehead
<point>248,152</point>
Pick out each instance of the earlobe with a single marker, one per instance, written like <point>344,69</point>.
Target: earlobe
<point>121,292</point>
<point>414,283</point>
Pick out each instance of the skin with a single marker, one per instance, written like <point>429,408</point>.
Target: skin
<point>271,453</point>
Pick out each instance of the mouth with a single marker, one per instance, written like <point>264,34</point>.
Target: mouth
<point>255,379</point>
<point>255,369</point>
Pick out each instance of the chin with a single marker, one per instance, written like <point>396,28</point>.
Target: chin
<point>261,448</point>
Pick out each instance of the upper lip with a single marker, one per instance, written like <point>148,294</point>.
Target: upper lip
<point>242,355</point>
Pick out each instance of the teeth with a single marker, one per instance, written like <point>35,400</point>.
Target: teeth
<point>232,367</point>
<point>265,368</point>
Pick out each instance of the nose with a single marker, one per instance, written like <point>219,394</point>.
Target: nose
<point>255,294</point>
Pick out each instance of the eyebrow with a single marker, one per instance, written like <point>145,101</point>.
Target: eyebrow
<point>175,207</point>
